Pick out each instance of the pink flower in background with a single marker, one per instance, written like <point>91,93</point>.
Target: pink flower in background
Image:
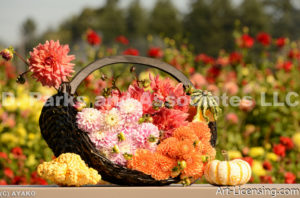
<point>247,105</point>
<point>208,60</point>
<point>131,51</point>
<point>231,88</point>
<point>89,120</point>
<point>223,61</point>
<point>245,41</point>
<point>155,52</point>
<point>232,118</point>
<point>198,80</point>
<point>213,89</point>
<point>264,38</point>
<point>122,39</point>
<point>50,63</point>
<point>93,38</point>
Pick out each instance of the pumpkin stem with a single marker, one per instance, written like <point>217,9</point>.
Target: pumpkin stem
<point>225,155</point>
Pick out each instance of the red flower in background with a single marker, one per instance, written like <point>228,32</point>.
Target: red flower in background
<point>287,66</point>
<point>249,160</point>
<point>93,38</point>
<point>294,54</point>
<point>245,41</point>
<point>279,150</point>
<point>264,38</point>
<point>287,142</point>
<point>155,52</point>
<point>290,178</point>
<point>19,180</point>
<point>267,165</point>
<point>235,58</point>
<point>131,51</point>
<point>3,182</point>
<point>208,60</point>
<point>8,173</point>
<point>3,155</point>
<point>266,179</point>
<point>122,39</point>
<point>280,42</point>
<point>17,152</point>
<point>35,179</point>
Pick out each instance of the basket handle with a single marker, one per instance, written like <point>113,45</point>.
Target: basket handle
<point>155,63</point>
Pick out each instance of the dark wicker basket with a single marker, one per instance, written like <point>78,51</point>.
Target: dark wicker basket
<point>59,129</point>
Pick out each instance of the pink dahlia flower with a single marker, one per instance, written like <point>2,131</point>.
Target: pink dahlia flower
<point>113,120</point>
<point>89,120</point>
<point>131,109</point>
<point>146,132</point>
<point>50,63</point>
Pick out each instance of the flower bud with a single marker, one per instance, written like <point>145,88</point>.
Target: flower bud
<point>20,79</point>
<point>121,136</point>
<point>127,156</point>
<point>182,164</point>
<point>152,138</point>
<point>116,149</point>
<point>7,53</point>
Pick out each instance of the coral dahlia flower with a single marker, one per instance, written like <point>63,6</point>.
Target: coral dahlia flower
<point>50,63</point>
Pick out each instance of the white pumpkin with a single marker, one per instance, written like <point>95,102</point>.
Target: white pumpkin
<point>235,172</point>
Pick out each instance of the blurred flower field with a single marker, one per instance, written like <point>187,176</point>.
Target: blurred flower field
<point>264,69</point>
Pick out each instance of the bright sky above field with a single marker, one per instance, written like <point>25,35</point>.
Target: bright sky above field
<point>49,13</point>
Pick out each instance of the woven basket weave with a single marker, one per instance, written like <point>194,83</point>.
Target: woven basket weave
<point>59,129</point>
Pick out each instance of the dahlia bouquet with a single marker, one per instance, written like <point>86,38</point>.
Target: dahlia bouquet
<point>158,127</point>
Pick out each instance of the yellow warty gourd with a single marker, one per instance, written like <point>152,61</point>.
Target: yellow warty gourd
<point>68,170</point>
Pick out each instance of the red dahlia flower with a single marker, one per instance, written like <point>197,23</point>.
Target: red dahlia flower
<point>235,58</point>
<point>266,179</point>
<point>122,39</point>
<point>280,42</point>
<point>50,63</point>
<point>267,165</point>
<point>264,38</point>
<point>249,160</point>
<point>8,173</point>
<point>3,155</point>
<point>205,59</point>
<point>131,51</point>
<point>155,52</point>
<point>17,151</point>
<point>290,178</point>
<point>287,142</point>
<point>3,182</point>
<point>245,41</point>
<point>279,150</point>
<point>93,38</point>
